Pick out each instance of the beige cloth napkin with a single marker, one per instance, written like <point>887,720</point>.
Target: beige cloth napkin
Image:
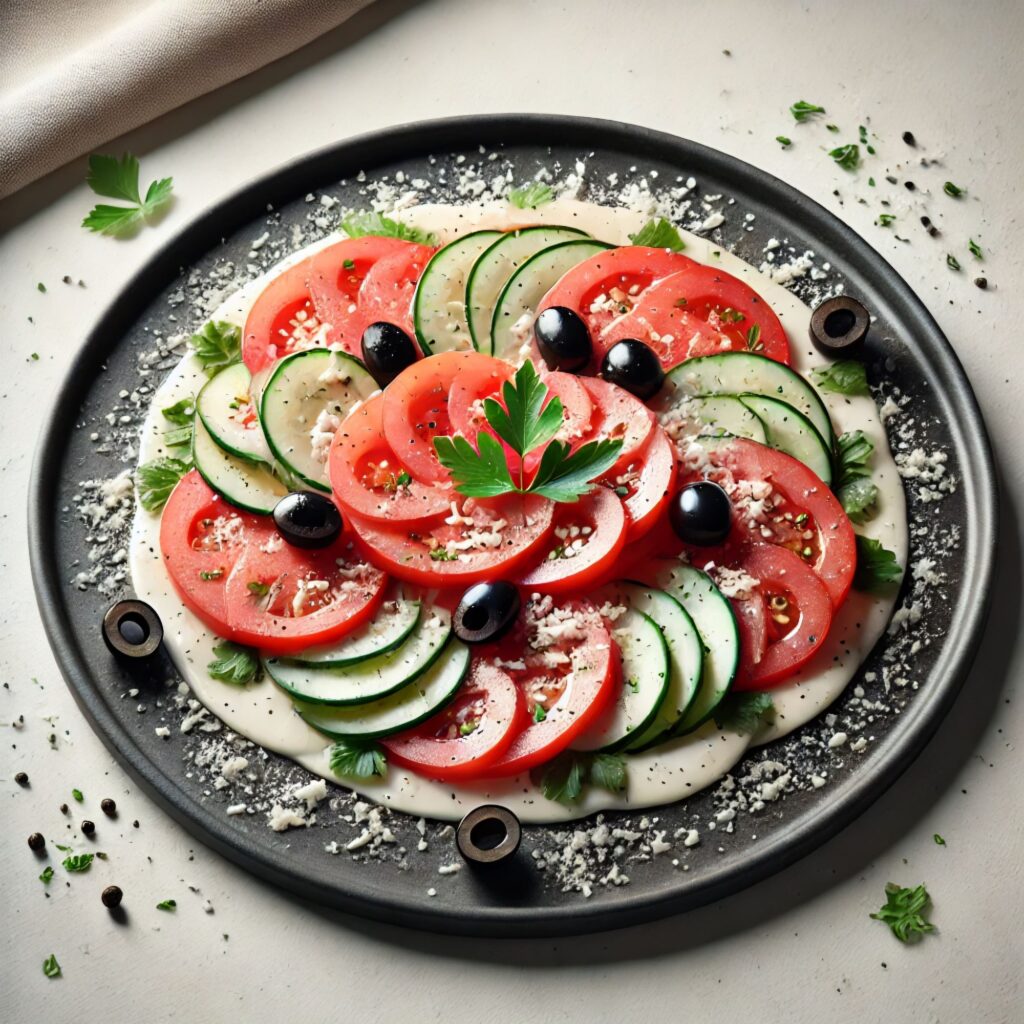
<point>78,73</point>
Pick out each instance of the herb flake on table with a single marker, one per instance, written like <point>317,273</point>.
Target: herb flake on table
<point>783,141</point>
<point>953,190</point>
<point>47,876</point>
<point>78,862</point>
<point>356,225</point>
<point>848,156</point>
<point>77,794</point>
<point>217,344</point>
<point>877,567</point>
<point>939,841</point>
<point>904,912</point>
<point>975,249</point>
<point>952,262</point>
<point>659,234</point>
<point>802,110</point>
<point>50,967</point>
<point>119,179</point>
<point>234,663</point>
<point>843,377</point>
<point>168,905</point>
<point>353,758</point>
<point>529,197</point>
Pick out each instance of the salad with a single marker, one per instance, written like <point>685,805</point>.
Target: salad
<point>558,508</point>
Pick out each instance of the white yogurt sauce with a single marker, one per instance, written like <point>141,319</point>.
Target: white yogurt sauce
<point>264,714</point>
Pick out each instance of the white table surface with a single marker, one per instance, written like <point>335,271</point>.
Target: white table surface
<point>798,947</point>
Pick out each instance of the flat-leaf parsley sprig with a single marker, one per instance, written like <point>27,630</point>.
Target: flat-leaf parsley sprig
<point>525,424</point>
<point>119,179</point>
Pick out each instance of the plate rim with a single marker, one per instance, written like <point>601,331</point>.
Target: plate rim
<point>851,797</point>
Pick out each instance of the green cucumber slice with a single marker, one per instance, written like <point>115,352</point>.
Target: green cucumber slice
<point>523,291</point>
<point>385,632</point>
<point>645,681</point>
<point>439,305</point>
<point>716,623</point>
<point>685,658</point>
<point>494,267</point>
<point>793,433</point>
<point>247,485</point>
<point>714,414</point>
<point>741,373</point>
<point>407,707</point>
<point>218,407</point>
<point>304,386</point>
<point>368,680</point>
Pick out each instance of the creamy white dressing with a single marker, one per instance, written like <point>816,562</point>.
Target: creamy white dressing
<point>264,714</point>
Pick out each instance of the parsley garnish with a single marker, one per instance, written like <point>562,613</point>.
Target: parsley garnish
<point>155,480</point>
<point>744,713</point>
<point>259,588</point>
<point>539,713</point>
<point>47,875</point>
<point>358,224</point>
<point>904,912</point>
<point>848,156</point>
<point>77,794</point>
<point>783,141</point>
<point>394,482</point>
<point>41,287</point>
<point>119,179</point>
<point>467,728</point>
<point>952,262</point>
<point>531,196</point>
<point>210,574</point>
<point>876,566</point>
<point>217,344</point>
<point>885,219</point>
<point>78,862</point>
<point>525,424</point>
<point>169,905</point>
<point>443,555</point>
<point>975,249</point>
<point>50,966</point>
<point>834,128</point>
<point>939,841</point>
<point>953,190</point>
<point>858,499</point>
<point>844,377</point>
<point>358,759</point>
<point>754,342</point>
<point>234,663</point>
<point>801,110</point>
<point>659,234</point>
<point>181,415</point>
<point>855,491</point>
<point>563,778</point>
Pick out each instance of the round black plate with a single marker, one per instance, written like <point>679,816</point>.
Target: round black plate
<point>520,901</point>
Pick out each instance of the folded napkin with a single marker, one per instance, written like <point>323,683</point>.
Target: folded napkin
<point>147,62</point>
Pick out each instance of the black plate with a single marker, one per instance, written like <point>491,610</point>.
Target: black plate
<point>523,901</point>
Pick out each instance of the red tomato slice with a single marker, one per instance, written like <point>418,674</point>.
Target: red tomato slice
<point>282,320</point>
<point>752,623</point>
<point>488,537</point>
<point>470,734</point>
<point>609,284</point>
<point>283,599</point>
<point>567,671</point>
<point>387,292</point>
<point>201,540</point>
<point>799,614</point>
<point>646,484</point>
<point>586,540</point>
<point>416,410</point>
<point>369,481</point>
<point>617,415</point>
<point>700,311</point>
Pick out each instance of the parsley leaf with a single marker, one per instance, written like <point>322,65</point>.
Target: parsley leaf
<point>539,713</point>
<point>531,196</point>
<point>77,794</point>
<point>181,414</point>
<point>119,179</point>
<point>858,499</point>
<point>78,862</point>
<point>608,771</point>
<point>443,555</point>
<point>953,190</point>
<point>885,219</point>
<point>525,425</point>
<point>478,475</point>
<point>975,249</point>
<point>356,225</point>
<point>801,110</point>
<point>952,262</point>
<point>844,377</point>
<point>659,234</point>
<point>876,566</point>
<point>939,841</point>
<point>563,779</point>
<point>234,663</point>
<point>783,141</point>
<point>50,966</point>
<point>745,712</point>
<point>855,491</point>
<point>358,759</point>
<point>848,156</point>
<point>156,479</point>
<point>565,477</point>
<point>169,905</point>
<point>217,344</point>
<point>904,912</point>
<point>47,875</point>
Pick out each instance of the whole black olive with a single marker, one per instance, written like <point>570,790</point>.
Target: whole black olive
<point>563,339</point>
<point>633,366</point>
<point>387,351</point>
<point>307,519</point>
<point>486,612</point>
<point>701,513</point>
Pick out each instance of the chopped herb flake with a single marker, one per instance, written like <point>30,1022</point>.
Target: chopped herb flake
<point>783,141</point>
<point>801,110</point>
<point>904,912</point>
<point>659,234</point>
<point>848,156</point>
<point>529,197</point>
<point>217,344</point>
<point>975,249</point>
<point>952,262</point>
<point>844,377</point>
<point>953,190</point>
<point>169,905</point>
<point>50,967</point>
<point>354,758</point>
<point>357,225</point>
<point>77,794</point>
<point>234,663</point>
<point>78,862</point>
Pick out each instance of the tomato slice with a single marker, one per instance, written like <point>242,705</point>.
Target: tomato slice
<point>646,484</point>
<point>608,285</point>
<point>201,539</point>
<point>700,311</point>
<point>586,540</point>
<point>283,319</point>
<point>283,599</point>
<point>369,481</point>
<point>493,536</point>
<point>617,415</point>
<point>386,293</point>
<point>560,656</point>
<point>470,734</point>
<point>416,410</point>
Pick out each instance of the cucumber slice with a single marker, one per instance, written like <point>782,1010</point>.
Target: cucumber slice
<point>741,373</point>
<point>494,267</point>
<point>793,433</point>
<point>247,485</point>
<point>716,414</point>
<point>713,616</point>
<point>368,680</point>
<point>645,680</point>
<point>407,707</point>
<point>439,305</point>
<point>685,658</point>
<point>218,407</point>
<point>303,386</point>
<point>523,291</point>
<point>385,632</point>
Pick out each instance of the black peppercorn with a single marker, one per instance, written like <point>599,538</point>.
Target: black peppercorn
<point>108,807</point>
<point>63,808</point>
<point>981,282</point>
<point>112,896</point>
<point>88,827</point>
<point>135,823</point>
<point>21,779</point>
<point>910,186</point>
<point>908,138</point>
<point>36,841</point>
